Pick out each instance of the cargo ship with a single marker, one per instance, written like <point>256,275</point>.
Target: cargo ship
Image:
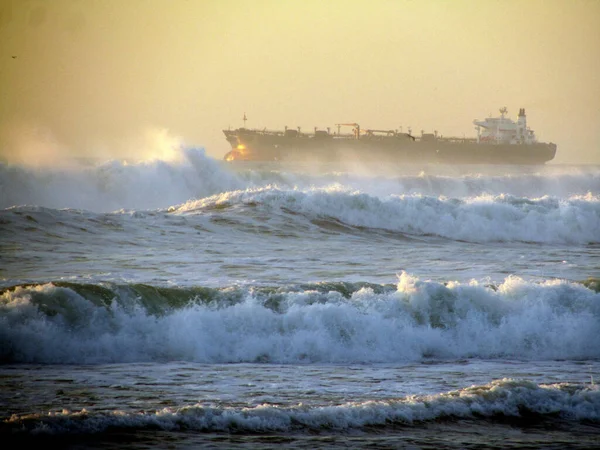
<point>499,140</point>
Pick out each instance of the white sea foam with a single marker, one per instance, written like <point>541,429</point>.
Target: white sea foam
<point>420,319</point>
<point>502,398</point>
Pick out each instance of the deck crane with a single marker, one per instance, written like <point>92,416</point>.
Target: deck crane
<point>356,129</point>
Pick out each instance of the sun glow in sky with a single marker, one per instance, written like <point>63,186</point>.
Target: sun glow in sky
<point>88,75</point>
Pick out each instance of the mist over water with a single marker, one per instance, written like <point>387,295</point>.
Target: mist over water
<point>115,184</point>
<point>169,173</point>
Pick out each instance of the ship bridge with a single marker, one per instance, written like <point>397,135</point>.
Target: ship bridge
<point>502,130</point>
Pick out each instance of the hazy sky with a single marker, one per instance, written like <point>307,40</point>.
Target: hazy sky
<point>89,75</point>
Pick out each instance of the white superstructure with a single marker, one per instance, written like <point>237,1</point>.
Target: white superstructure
<point>502,130</point>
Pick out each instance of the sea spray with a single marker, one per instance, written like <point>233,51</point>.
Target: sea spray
<point>117,184</point>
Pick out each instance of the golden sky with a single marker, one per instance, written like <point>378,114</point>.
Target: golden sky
<point>91,74</point>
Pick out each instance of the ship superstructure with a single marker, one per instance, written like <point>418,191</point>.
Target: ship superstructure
<point>502,130</point>
<point>499,140</point>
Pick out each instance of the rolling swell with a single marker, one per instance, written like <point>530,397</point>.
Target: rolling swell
<point>499,400</point>
<point>323,322</point>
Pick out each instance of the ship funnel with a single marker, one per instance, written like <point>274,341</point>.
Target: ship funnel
<point>522,126</point>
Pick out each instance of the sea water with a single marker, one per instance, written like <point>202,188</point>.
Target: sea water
<point>194,303</point>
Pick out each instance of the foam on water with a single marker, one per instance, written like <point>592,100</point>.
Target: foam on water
<point>418,319</point>
<point>505,398</point>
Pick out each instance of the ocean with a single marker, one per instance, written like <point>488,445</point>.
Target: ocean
<point>192,303</point>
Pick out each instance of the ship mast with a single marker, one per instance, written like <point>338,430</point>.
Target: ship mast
<point>244,119</point>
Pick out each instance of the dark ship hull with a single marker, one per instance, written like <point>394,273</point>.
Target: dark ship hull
<point>391,148</point>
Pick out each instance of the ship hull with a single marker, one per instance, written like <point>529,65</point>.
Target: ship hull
<point>386,150</point>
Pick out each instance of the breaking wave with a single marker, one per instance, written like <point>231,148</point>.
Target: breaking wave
<point>324,322</point>
<point>478,219</point>
<point>501,218</point>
